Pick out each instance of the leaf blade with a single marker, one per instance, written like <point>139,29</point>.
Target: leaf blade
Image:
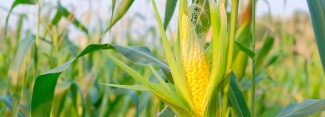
<point>317,13</point>
<point>237,99</point>
<point>44,86</point>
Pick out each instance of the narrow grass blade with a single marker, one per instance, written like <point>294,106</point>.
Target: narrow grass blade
<point>237,99</point>
<point>304,109</point>
<point>317,13</point>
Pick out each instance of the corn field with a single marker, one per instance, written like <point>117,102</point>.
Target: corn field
<point>177,58</point>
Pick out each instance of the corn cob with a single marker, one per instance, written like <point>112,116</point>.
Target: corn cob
<point>195,65</point>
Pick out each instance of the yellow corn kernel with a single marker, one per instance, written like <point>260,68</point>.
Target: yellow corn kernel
<point>197,74</point>
<point>195,66</point>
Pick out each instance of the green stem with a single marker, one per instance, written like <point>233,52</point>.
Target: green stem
<point>225,99</point>
<point>234,13</point>
<point>254,59</point>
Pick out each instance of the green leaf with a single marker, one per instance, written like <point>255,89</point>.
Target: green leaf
<point>317,14</point>
<point>43,89</point>
<point>247,51</point>
<point>304,109</point>
<point>9,103</point>
<point>44,85</point>
<point>237,99</point>
<point>169,11</point>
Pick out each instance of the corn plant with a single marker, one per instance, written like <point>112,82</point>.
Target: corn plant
<point>196,88</point>
<point>212,68</point>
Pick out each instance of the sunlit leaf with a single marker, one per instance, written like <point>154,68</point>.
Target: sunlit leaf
<point>132,87</point>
